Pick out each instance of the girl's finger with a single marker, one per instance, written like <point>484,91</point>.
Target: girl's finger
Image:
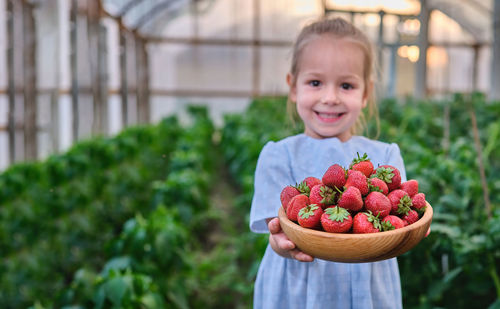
<point>283,242</point>
<point>301,256</point>
<point>274,226</point>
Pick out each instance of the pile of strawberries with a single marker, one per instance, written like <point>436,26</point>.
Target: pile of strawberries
<point>360,199</point>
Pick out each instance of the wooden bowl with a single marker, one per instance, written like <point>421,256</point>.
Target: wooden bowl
<point>356,248</point>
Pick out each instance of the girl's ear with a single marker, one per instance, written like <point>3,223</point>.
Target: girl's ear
<point>368,91</point>
<point>293,89</point>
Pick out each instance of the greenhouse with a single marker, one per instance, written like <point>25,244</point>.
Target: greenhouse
<point>133,136</point>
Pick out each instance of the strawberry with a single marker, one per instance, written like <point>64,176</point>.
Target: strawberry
<point>311,182</point>
<point>296,204</point>
<point>310,216</point>
<point>357,179</point>
<point>362,164</point>
<point>392,222</point>
<point>350,199</point>
<point>390,175</point>
<point>410,186</point>
<point>286,195</point>
<point>418,201</point>
<point>410,218</point>
<point>322,195</point>
<point>378,204</point>
<point>400,202</point>
<point>336,220</point>
<point>335,176</point>
<point>366,222</point>
<point>377,184</point>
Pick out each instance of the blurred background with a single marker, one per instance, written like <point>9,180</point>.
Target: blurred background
<point>130,130</point>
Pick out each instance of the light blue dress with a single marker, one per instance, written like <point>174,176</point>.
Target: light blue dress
<point>287,283</point>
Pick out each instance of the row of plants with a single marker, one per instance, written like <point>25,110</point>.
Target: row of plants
<point>461,256</point>
<point>60,214</point>
<point>153,260</point>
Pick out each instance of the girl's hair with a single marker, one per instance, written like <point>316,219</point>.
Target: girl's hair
<point>340,29</point>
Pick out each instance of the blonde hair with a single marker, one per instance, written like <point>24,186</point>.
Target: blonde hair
<point>340,29</point>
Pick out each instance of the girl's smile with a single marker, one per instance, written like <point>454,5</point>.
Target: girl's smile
<point>329,117</point>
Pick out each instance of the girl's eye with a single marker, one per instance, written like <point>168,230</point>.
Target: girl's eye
<point>315,83</point>
<point>346,86</point>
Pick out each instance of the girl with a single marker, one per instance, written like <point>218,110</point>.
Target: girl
<point>330,83</point>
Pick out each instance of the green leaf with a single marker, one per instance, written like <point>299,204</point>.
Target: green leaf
<point>115,290</point>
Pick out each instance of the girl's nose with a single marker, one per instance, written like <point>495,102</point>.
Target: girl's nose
<point>330,96</point>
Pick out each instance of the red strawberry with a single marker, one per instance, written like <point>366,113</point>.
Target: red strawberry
<point>351,199</point>
<point>378,204</point>
<point>410,186</point>
<point>400,202</point>
<point>322,195</point>
<point>392,222</point>
<point>418,201</point>
<point>366,222</point>
<point>377,184</point>
<point>410,218</point>
<point>286,195</point>
<point>296,204</point>
<point>336,220</point>
<point>334,176</point>
<point>358,180</point>
<point>310,216</point>
<point>311,182</point>
<point>362,164</point>
<point>390,175</point>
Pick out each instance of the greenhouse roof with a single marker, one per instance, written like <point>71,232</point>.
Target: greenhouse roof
<point>150,17</point>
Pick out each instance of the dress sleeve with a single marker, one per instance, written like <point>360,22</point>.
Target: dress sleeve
<point>394,158</point>
<point>272,174</point>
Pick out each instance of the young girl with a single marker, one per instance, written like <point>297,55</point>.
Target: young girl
<point>330,83</point>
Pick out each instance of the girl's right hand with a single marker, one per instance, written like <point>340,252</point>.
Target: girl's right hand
<point>282,245</point>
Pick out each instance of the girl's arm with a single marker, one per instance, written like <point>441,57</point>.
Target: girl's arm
<point>282,245</point>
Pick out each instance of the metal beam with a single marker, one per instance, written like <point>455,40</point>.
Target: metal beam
<point>218,42</point>
<point>495,67</point>
<point>127,7</point>
<point>153,11</point>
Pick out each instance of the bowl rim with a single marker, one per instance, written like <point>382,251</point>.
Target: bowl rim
<point>417,225</point>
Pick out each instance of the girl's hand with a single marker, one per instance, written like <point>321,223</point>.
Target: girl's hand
<point>282,245</point>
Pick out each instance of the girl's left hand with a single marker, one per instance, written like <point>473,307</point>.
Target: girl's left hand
<point>282,245</point>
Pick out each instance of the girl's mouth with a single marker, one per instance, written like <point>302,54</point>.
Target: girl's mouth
<point>329,117</point>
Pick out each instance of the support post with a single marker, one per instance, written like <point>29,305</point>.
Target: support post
<point>123,75</point>
<point>11,120</point>
<point>74,67</point>
<point>495,67</point>
<point>255,48</point>
<point>423,44</point>
<point>143,108</point>
<point>29,80</point>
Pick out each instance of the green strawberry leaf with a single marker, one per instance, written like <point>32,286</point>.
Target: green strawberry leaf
<point>308,211</point>
<point>359,159</point>
<point>337,213</point>
<point>404,205</point>
<point>372,188</point>
<point>387,226</point>
<point>384,173</point>
<point>303,188</point>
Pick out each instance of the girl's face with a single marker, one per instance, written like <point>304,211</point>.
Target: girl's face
<point>329,88</point>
